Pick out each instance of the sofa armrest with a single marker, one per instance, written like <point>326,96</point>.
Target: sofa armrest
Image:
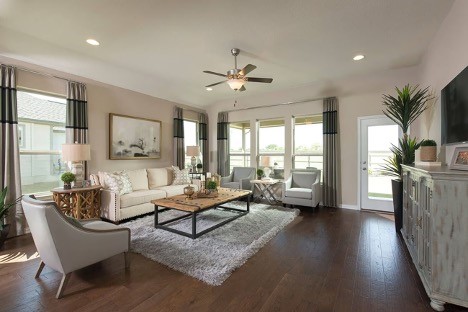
<point>245,184</point>
<point>317,192</point>
<point>286,185</point>
<point>226,179</point>
<point>110,205</point>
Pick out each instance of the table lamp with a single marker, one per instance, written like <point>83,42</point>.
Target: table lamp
<point>266,163</point>
<point>76,153</point>
<point>193,151</point>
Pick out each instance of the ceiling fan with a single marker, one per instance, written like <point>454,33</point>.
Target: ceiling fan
<point>236,78</point>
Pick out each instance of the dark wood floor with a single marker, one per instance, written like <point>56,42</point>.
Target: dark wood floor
<point>329,260</point>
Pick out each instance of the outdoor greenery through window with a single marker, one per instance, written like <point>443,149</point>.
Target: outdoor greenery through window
<point>271,147</point>
<point>239,144</point>
<point>308,142</point>
<point>190,139</point>
<point>41,133</point>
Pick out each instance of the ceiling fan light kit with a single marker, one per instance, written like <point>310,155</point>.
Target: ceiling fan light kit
<point>236,78</point>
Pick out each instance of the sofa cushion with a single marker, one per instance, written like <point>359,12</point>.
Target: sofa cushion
<point>99,225</point>
<point>118,183</point>
<point>159,177</point>
<point>181,177</point>
<point>297,192</point>
<point>139,179</point>
<point>140,197</point>
<point>172,190</point>
<point>303,179</point>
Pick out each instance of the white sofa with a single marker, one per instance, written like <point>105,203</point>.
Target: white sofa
<point>148,184</point>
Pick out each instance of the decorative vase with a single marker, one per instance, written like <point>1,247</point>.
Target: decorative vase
<point>189,191</point>
<point>397,192</point>
<point>428,153</point>
<point>66,186</point>
<point>4,234</point>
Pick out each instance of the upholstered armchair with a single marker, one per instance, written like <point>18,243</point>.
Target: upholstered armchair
<point>239,178</point>
<point>302,188</point>
<point>67,245</point>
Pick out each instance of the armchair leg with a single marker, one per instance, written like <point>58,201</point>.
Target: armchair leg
<point>62,286</point>
<point>39,269</point>
<point>127,259</point>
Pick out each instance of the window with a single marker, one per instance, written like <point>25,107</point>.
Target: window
<point>308,142</point>
<point>271,143</point>
<point>190,139</point>
<point>41,133</point>
<point>239,144</point>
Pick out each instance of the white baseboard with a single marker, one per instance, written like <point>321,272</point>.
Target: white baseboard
<point>352,207</point>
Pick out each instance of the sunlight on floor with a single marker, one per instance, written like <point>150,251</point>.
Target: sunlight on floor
<point>387,216</point>
<point>17,257</point>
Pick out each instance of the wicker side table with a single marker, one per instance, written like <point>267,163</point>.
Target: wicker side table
<point>80,203</point>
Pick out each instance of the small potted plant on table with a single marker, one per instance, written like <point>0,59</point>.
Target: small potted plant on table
<point>199,167</point>
<point>260,173</point>
<point>211,186</point>
<point>67,179</point>
<point>428,150</point>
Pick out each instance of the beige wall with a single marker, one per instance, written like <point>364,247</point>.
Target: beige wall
<point>102,100</point>
<point>446,57</point>
<point>358,96</point>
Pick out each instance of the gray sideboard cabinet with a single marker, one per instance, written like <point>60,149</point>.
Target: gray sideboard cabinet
<point>435,230</point>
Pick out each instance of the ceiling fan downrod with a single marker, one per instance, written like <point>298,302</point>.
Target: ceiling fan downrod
<point>235,52</point>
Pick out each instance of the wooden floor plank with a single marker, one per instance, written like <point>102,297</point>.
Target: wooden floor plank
<point>328,260</point>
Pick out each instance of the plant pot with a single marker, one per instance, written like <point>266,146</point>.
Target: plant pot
<point>4,234</point>
<point>428,153</point>
<point>66,186</point>
<point>397,192</point>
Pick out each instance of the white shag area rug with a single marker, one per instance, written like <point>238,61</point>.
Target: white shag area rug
<point>212,257</point>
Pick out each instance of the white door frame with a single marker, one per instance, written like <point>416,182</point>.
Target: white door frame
<point>359,119</point>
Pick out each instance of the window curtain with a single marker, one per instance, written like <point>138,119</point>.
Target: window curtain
<point>179,148</point>
<point>9,148</point>
<point>330,187</point>
<point>203,139</point>
<point>223,144</point>
<point>77,116</point>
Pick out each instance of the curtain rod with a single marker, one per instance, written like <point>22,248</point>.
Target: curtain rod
<point>39,73</point>
<point>279,104</point>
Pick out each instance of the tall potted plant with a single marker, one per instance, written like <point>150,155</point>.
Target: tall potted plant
<point>4,208</point>
<point>403,109</point>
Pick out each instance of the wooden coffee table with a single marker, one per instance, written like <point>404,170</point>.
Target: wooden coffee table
<point>197,205</point>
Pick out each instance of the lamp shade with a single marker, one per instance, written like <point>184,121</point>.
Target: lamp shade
<point>193,150</point>
<point>266,161</point>
<point>76,152</point>
<point>236,84</point>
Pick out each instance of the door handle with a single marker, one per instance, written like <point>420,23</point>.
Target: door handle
<point>364,169</point>
<point>364,162</point>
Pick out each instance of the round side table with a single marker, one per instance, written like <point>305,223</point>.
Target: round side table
<point>80,203</point>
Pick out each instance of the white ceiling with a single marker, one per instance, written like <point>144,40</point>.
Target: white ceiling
<point>161,47</point>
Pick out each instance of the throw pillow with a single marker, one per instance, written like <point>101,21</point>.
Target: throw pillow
<point>181,177</point>
<point>119,183</point>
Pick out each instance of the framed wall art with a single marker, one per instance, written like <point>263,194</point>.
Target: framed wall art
<point>134,138</point>
<point>460,159</point>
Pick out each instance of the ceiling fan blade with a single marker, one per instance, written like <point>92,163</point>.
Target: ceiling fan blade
<point>214,84</point>
<point>213,73</point>
<point>242,89</point>
<point>247,69</point>
<point>253,79</point>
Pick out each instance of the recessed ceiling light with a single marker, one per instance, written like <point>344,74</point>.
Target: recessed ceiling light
<point>209,89</point>
<point>358,57</point>
<point>92,42</point>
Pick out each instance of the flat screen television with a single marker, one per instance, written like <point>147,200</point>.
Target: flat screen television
<point>454,102</point>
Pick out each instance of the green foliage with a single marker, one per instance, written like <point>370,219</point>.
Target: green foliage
<point>211,185</point>
<point>407,106</point>
<point>5,207</point>
<point>199,166</point>
<point>428,143</point>
<point>260,172</point>
<point>68,177</point>
<point>404,109</point>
